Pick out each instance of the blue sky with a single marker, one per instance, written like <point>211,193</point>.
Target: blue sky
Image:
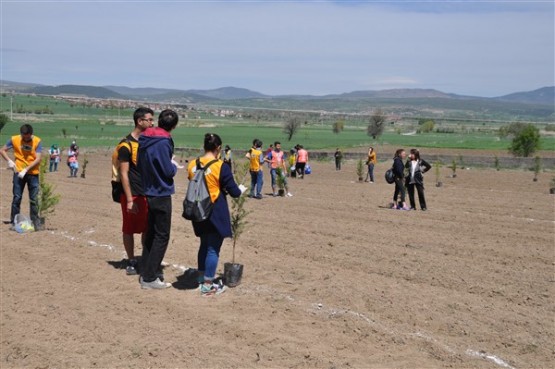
<point>480,48</point>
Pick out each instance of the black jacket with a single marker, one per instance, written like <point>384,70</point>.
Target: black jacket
<point>422,167</point>
<point>398,167</point>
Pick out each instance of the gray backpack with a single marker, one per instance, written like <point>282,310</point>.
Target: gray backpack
<point>197,205</point>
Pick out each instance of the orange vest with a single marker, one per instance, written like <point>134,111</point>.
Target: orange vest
<point>277,159</point>
<point>212,175</point>
<point>302,156</point>
<point>25,153</point>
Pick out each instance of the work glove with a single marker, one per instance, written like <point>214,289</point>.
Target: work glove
<point>22,173</point>
<point>242,188</point>
<point>11,164</point>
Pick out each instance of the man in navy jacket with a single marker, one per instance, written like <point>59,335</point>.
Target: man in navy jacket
<point>157,167</point>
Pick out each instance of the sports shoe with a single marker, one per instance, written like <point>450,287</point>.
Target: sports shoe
<point>259,196</point>
<point>289,194</point>
<point>213,289</point>
<point>156,284</point>
<point>131,268</point>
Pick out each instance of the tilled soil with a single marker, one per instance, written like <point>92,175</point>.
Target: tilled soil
<point>333,279</point>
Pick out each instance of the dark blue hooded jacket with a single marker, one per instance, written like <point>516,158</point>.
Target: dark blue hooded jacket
<point>155,162</point>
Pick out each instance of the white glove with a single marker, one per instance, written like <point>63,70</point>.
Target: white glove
<point>176,163</point>
<point>11,164</point>
<point>242,188</point>
<point>22,173</point>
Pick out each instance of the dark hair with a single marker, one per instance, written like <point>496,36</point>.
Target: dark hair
<point>140,113</point>
<point>277,143</point>
<point>398,152</point>
<point>416,153</point>
<point>212,141</point>
<point>227,148</point>
<point>168,119</point>
<point>26,129</point>
<point>256,142</point>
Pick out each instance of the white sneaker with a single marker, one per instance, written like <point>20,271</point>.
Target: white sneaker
<point>289,194</point>
<point>156,284</point>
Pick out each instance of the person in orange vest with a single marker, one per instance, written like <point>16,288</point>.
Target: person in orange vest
<point>276,159</point>
<point>302,160</point>
<point>27,150</point>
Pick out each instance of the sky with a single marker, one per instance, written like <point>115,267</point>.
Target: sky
<point>478,48</point>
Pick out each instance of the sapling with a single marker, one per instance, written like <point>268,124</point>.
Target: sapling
<point>85,162</point>
<point>437,167</point>
<point>46,199</point>
<point>552,186</point>
<point>537,167</point>
<point>496,162</point>
<point>238,220</point>
<point>454,168</point>
<point>360,169</point>
<point>280,181</point>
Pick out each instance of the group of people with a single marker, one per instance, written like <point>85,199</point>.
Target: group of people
<point>146,165</point>
<point>55,154</point>
<point>408,176</point>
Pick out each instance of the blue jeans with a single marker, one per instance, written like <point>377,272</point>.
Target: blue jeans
<point>53,165</point>
<point>32,182</point>
<point>371,172</point>
<point>257,180</point>
<point>209,254</point>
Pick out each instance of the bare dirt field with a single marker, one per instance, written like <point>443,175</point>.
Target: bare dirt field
<point>332,279</point>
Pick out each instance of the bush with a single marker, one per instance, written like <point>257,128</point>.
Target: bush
<point>525,142</point>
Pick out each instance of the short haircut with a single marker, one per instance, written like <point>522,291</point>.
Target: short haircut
<point>26,129</point>
<point>277,143</point>
<point>140,113</point>
<point>168,119</point>
<point>212,141</point>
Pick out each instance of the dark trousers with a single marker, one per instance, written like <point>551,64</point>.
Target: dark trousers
<point>399,189</point>
<point>157,236</point>
<point>300,169</point>
<point>421,198</point>
<point>371,172</point>
<point>337,164</point>
<point>32,182</point>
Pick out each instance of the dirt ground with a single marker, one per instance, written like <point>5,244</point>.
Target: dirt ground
<point>332,279</point>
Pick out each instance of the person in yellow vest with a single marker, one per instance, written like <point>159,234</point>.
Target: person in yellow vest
<point>27,150</point>
<point>256,160</point>
<point>371,162</point>
<point>217,227</point>
<point>133,202</point>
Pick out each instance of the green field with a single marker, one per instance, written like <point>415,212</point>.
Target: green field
<point>102,127</point>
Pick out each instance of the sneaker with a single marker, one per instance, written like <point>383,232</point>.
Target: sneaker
<point>213,289</point>
<point>131,268</point>
<point>259,197</point>
<point>404,208</point>
<point>274,194</point>
<point>423,209</point>
<point>289,194</point>
<point>156,284</point>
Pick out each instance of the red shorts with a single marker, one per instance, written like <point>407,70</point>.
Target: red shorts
<point>134,223</point>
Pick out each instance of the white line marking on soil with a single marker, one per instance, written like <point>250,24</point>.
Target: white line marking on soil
<point>485,355</point>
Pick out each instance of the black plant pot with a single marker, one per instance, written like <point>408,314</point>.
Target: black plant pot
<point>552,190</point>
<point>439,184</point>
<point>233,273</point>
<point>39,224</point>
<point>281,192</point>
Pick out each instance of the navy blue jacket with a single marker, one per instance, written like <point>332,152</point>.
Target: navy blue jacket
<point>398,167</point>
<point>220,220</point>
<point>155,162</point>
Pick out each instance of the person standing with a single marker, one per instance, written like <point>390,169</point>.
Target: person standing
<point>227,157</point>
<point>302,160</point>
<point>217,227</point>
<point>338,158</point>
<point>276,159</point>
<point>371,162</point>
<point>157,167</point>
<point>256,159</point>
<point>72,162</point>
<point>133,202</point>
<point>292,167</point>
<point>398,171</point>
<point>416,167</point>
<point>54,153</point>
<point>27,150</point>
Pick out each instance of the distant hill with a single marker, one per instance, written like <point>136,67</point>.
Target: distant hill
<point>16,86</point>
<point>89,91</point>
<point>141,91</point>
<point>229,93</point>
<point>544,95</point>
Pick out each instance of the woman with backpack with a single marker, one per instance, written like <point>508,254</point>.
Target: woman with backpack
<point>217,226</point>
<point>416,167</point>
